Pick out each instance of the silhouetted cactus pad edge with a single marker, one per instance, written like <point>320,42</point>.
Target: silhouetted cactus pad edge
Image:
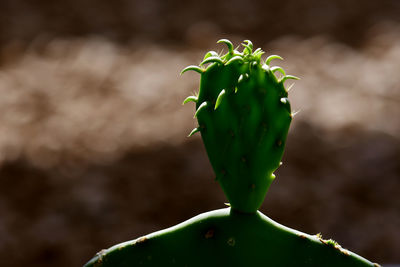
<point>243,115</point>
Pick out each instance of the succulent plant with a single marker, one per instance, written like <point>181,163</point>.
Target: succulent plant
<point>244,115</point>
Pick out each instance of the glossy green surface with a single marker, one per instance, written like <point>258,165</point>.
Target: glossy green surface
<point>227,238</point>
<point>244,116</point>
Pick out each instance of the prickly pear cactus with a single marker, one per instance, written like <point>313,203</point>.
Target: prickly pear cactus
<point>244,115</point>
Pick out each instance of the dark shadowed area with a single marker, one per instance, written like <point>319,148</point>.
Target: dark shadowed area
<point>93,146</point>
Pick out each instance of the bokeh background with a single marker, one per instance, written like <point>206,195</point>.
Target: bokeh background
<point>93,147</point>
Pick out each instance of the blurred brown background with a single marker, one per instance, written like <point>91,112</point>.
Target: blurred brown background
<point>93,147</point>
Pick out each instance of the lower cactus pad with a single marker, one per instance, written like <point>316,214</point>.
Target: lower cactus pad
<point>228,238</point>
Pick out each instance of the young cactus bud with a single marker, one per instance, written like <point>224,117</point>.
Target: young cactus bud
<point>244,114</point>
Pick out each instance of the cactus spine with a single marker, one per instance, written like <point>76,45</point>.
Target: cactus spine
<point>244,116</point>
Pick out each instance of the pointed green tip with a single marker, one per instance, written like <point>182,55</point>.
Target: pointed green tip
<point>234,59</point>
<point>272,57</point>
<point>191,98</point>
<point>248,47</point>
<point>212,59</point>
<point>248,44</point>
<point>210,54</point>
<point>193,68</point>
<point>258,53</point>
<point>195,130</point>
<point>287,77</point>
<point>228,44</point>
<point>201,107</point>
<point>219,99</point>
<point>277,68</point>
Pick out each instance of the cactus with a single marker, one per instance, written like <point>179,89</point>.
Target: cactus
<point>243,115</point>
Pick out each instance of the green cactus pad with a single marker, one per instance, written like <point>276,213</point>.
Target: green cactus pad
<point>228,238</point>
<point>244,116</point>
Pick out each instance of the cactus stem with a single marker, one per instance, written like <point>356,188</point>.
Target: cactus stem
<point>246,108</point>
<point>264,126</point>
